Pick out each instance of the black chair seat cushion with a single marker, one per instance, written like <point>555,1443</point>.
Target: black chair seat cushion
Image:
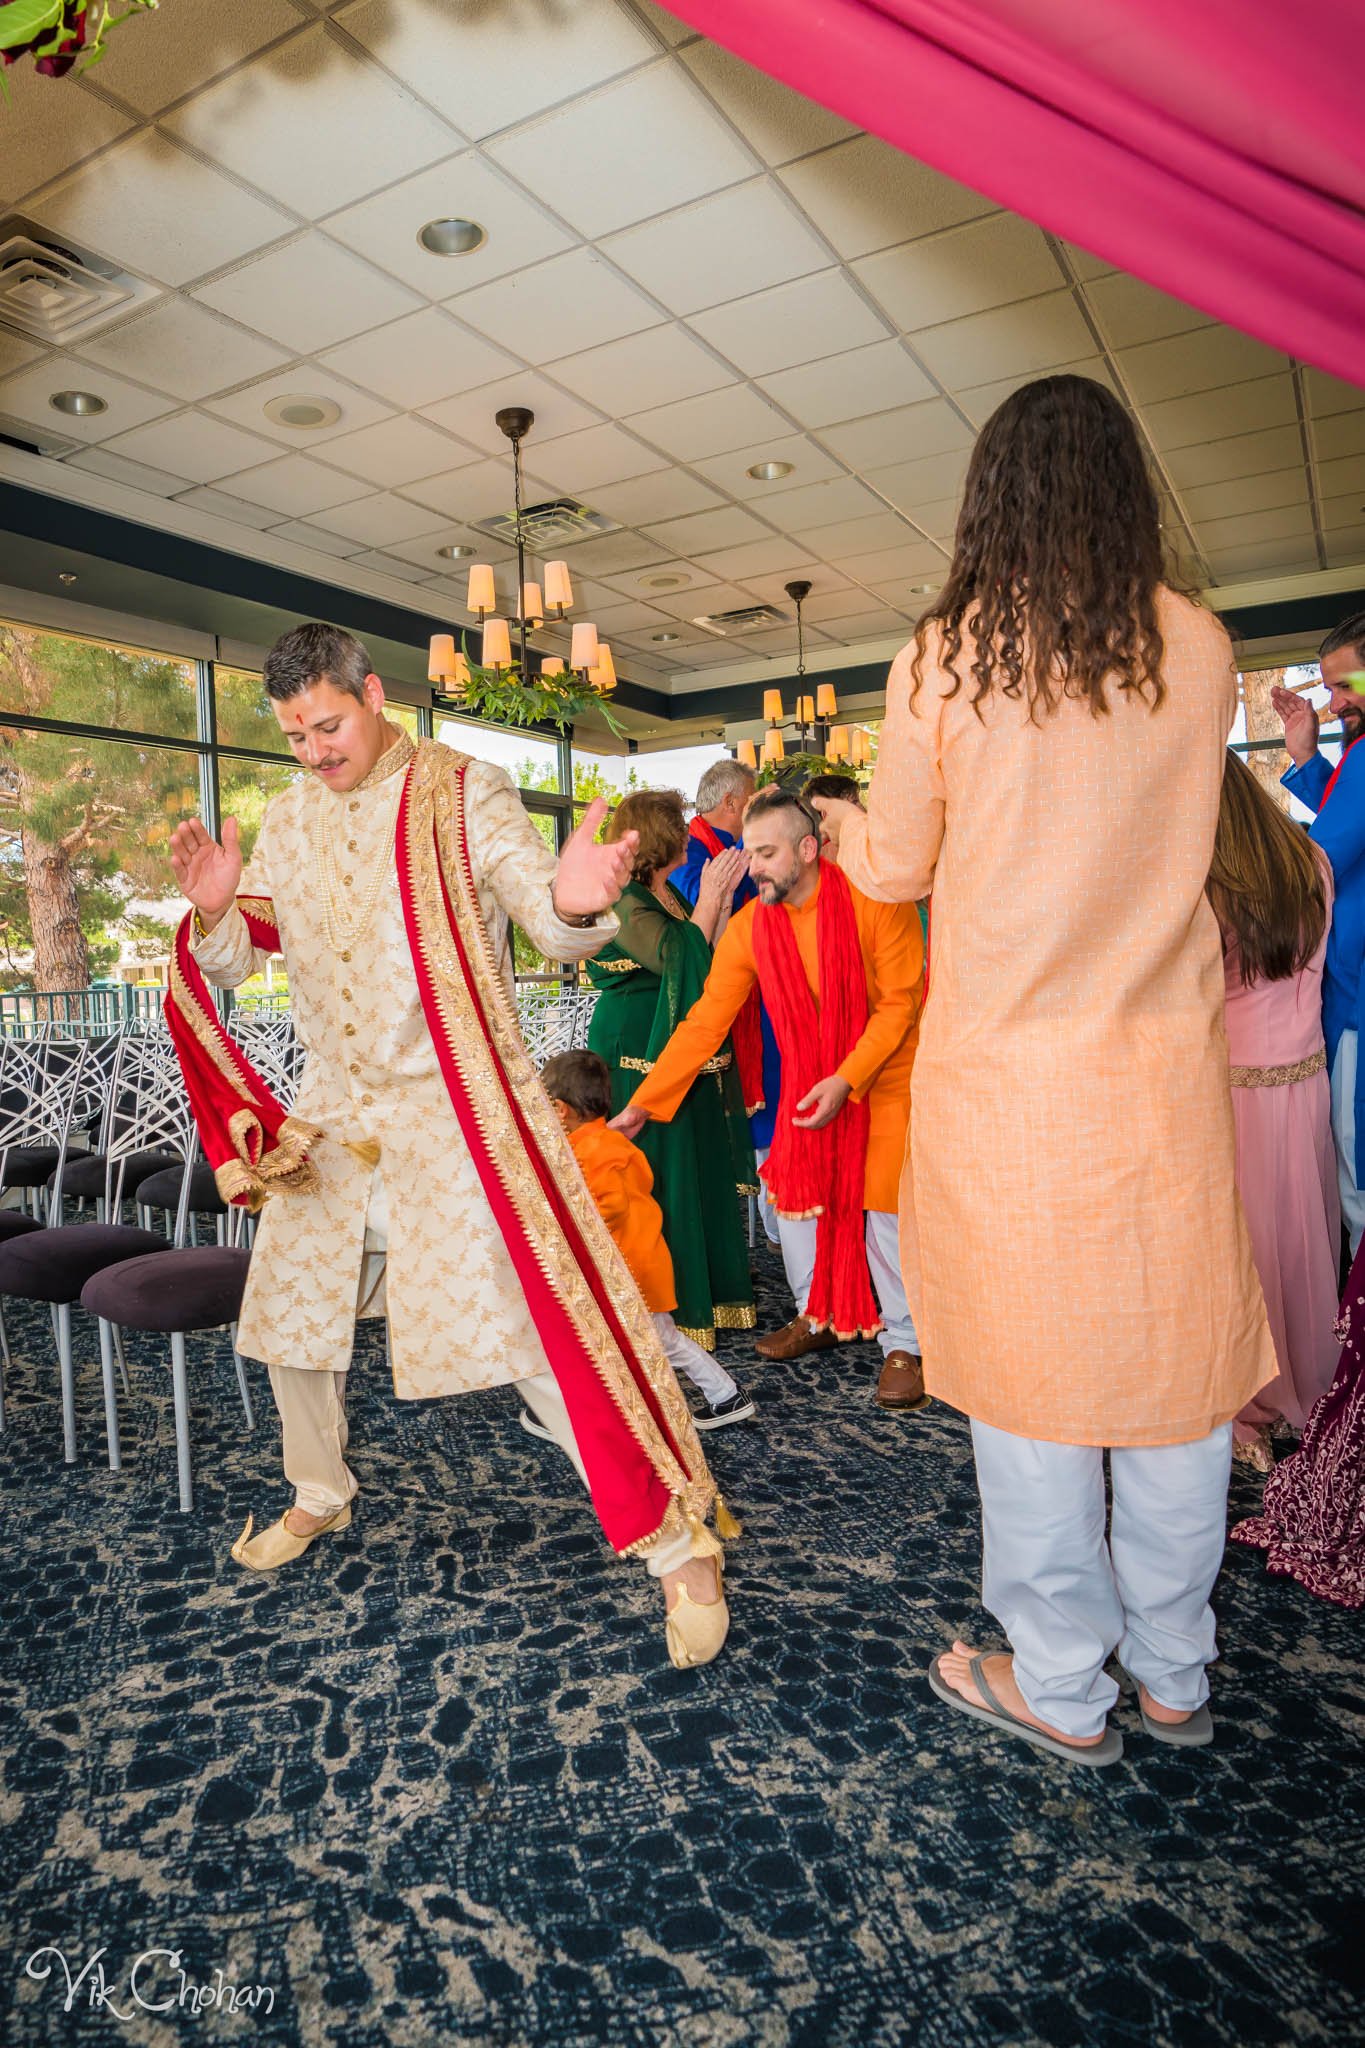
<point>30,1166</point>
<point>84,1177</point>
<point>54,1265</point>
<point>199,1289</point>
<point>162,1191</point>
<point>15,1224</point>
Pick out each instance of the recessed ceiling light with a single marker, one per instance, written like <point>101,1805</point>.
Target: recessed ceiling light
<point>82,405</point>
<point>769,472</point>
<point>923,589</point>
<point>66,576</point>
<point>452,237</point>
<point>663,639</point>
<point>302,411</point>
<point>663,582</point>
<point>456,552</point>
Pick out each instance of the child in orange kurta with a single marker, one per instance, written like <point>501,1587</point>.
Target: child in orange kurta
<point>620,1182</point>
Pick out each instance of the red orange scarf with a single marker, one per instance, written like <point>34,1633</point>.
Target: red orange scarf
<point>820,1173</point>
<point>746,1033</point>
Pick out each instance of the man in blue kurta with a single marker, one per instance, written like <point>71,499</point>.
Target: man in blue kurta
<point>1338,797</point>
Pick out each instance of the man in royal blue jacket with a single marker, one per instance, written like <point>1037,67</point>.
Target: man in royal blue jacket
<point>1338,797</point>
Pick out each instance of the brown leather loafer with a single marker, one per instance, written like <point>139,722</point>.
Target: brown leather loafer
<point>902,1382</point>
<point>794,1340</point>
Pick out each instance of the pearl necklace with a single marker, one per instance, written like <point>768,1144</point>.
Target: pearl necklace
<point>344,925</point>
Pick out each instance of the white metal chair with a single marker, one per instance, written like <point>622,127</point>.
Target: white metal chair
<point>554,1020</point>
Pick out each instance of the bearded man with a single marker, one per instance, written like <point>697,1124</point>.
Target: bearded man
<point>840,977</point>
<point>422,1172</point>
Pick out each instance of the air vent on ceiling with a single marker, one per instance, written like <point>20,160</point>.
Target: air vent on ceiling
<point>558,523</point>
<point>747,618</point>
<point>33,439</point>
<point>57,292</point>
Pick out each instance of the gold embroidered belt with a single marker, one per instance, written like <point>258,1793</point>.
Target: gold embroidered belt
<point>617,966</point>
<point>717,1065</point>
<point>1280,1077</point>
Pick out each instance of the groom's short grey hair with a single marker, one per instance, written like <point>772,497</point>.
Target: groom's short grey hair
<point>722,779</point>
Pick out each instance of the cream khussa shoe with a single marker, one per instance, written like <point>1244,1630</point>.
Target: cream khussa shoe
<point>695,1630</point>
<point>278,1544</point>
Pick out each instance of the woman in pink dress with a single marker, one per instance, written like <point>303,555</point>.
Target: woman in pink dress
<point>1272,894</point>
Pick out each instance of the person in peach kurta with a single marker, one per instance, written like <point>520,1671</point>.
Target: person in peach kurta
<point>1075,1256</point>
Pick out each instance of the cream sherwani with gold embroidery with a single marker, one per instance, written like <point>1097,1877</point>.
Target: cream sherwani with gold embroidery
<point>458,1319</point>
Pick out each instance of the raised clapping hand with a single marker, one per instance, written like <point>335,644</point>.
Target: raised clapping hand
<point>1300,723</point>
<point>630,1122</point>
<point>723,874</point>
<point>207,872</point>
<point>824,1102</point>
<point>590,877</point>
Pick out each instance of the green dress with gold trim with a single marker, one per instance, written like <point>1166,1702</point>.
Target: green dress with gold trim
<point>647,980</point>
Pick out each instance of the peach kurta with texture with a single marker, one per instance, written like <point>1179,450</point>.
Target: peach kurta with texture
<point>1075,1255</point>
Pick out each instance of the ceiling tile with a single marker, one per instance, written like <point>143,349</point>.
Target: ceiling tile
<point>356,408</point>
<point>703,600</point>
<point>471,416</point>
<point>666,26</point>
<point>388,565</point>
<point>906,433</point>
<point>913,562</point>
<point>939,520</point>
<point>422,550</point>
<point>614,553</point>
<point>708,425</point>
<point>397,451</point>
<point>148,205</point>
<point>191,43</point>
<point>1344,546</point>
<point>587,460</point>
<point>703,530</point>
<point>793,323</point>
<point>307,536</point>
<point>980,401</point>
<point>385,227</point>
<point>772,561</point>
<point>819,504</point>
<point>14,353</point>
<point>376,521</point>
<point>1327,395</point>
<point>738,241</point>
<point>487,67</point>
<point>1340,475</point>
<point>1085,265</point>
<point>810,465</point>
<point>1215,415</point>
<point>307,294</point>
<point>643,370</point>
<point>27,394</point>
<point>295,486</point>
<point>648,580</point>
<point>1217,462</point>
<point>848,537</point>
<point>921,482</point>
<point>967,270</point>
<point>1036,334</point>
<point>1130,312</point>
<point>1248,494</point>
<point>1343,510</point>
<point>875,625</point>
<point>373,132</point>
<point>1202,361</point>
<point>632,149</point>
<point>119,470</point>
<point>865,195</point>
<point>478,491</point>
<point>667,494</point>
<point>419,360</point>
<point>828,606</point>
<point>192,445</point>
<point>1276,558</point>
<point>184,350</point>
<point>224,506</point>
<point>1286,522</point>
<point>1341,434</point>
<point>779,123</point>
<point>846,386</point>
<point>575,298</point>
<point>44,133</point>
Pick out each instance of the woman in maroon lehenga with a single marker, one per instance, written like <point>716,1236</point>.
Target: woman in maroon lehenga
<point>1312,1520</point>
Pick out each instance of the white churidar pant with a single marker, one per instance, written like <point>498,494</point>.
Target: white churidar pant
<point>884,1262</point>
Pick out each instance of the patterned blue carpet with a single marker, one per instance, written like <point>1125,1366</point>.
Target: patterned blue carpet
<point>438,1782</point>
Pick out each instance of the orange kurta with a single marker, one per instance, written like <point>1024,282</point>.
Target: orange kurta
<point>620,1182</point>
<point>1074,1251</point>
<point>878,1066</point>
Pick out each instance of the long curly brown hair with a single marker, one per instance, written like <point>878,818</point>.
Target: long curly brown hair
<point>1265,885</point>
<point>1058,556</point>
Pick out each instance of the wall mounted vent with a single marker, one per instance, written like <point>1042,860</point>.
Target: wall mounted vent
<point>747,618</point>
<point>558,523</point>
<point>55,291</point>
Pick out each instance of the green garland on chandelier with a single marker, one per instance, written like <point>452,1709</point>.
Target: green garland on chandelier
<point>502,696</point>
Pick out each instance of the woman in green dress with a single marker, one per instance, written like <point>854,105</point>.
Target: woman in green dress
<point>647,980</point>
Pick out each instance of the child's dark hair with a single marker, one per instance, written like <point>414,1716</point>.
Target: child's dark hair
<point>581,1079</point>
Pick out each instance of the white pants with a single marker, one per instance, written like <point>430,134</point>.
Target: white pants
<point>767,1215</point>
<point>312,1407</point>
<point>686,1356</point>
<point>1344,1132</point>
<point>884,1262</point>
<point>1066,1598</point>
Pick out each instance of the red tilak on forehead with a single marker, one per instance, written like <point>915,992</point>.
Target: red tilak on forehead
<point>298,718</point>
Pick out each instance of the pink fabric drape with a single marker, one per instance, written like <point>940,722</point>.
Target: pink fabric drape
<point>1215,148</point>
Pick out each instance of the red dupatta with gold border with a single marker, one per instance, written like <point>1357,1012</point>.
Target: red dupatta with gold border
<point>632,1426</point>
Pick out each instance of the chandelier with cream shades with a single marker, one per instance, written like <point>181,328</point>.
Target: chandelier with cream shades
<point>589,672</point>
<point>813,714</point>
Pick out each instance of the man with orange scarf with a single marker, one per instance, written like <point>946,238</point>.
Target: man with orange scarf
<point>840,977</point>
